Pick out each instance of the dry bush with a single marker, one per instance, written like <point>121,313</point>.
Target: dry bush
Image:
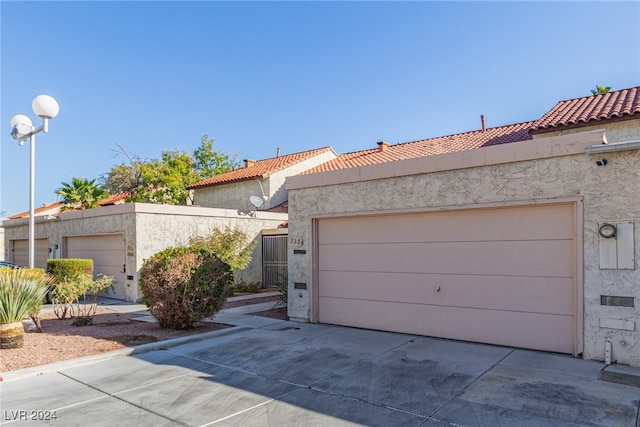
<point>183,286</point>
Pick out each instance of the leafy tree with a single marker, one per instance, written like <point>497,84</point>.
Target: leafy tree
<point>81,193</point>
<point>124,177</point>
<point>600,89</point>
<point>164,180</point>
<point>211,163</point>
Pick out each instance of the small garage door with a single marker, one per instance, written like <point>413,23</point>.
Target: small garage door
<point>40,254</point>
<point>107,253</point>
<point>503,276</point>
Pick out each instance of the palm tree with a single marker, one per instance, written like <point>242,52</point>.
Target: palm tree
<point>600,89</point>
<point>81,193</point>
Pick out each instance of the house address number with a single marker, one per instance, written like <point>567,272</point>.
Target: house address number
<point>296,241</point>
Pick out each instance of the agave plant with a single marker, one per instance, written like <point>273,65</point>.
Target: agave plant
<point>22,292</point>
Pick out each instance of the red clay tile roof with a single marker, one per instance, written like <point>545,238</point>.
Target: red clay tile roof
<point>281,208</point>
<point>47,209</point>
<point>55,208</point>
<point>429,147</point>
<point>575,112</point>
<point>260,168</point>
<point>115,199</point>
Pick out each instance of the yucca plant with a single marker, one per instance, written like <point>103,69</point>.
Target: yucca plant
<point>22,292</point>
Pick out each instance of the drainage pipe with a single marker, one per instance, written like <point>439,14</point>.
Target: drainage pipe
<point>616,146</point>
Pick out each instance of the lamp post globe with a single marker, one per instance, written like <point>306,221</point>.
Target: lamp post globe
<point>21,119</point>
<point>45,106</point>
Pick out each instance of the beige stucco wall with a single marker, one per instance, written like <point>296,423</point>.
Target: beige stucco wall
<point>229,196</point>
<point>236,195</point>
<point>3,254</point>
<point>276,182</point>
<point>520,173</point>
<point>149,229</point>
<point>623,131</point>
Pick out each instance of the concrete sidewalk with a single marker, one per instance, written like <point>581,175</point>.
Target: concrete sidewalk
<point>273,372</point>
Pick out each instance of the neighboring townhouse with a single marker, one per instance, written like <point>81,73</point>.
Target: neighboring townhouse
<point>257,181</point>
<point>19,248</point>
<point>616,112</point>
<point>523,235</point>
<point>46,210</point>
<point>119,236</point>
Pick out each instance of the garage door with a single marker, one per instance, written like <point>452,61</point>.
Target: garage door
<point>40,254</point>
<point>107,253</point>
<point>502,276</point>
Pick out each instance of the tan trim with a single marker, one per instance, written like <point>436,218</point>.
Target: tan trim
<point>150,208</point>
<point>579,276</point>
<point>314,310</point>
<point>510,203</point>
<point>556,146</point>
<point>275,231</point>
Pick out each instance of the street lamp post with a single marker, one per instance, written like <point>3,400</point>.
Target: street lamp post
<point>22,129</point>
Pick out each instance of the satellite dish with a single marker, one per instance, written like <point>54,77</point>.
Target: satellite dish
<point>256,201</point>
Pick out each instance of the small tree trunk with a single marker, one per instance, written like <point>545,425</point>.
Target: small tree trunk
<point>36,321</point>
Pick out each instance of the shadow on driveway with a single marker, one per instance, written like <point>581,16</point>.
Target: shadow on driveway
<point>293,374</point>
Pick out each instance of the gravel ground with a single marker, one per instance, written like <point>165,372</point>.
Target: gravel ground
<point>60,340</point>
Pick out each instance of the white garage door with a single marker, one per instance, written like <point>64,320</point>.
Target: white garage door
<point>107,253</point>
<point>502,276</point>
<point>40,253</point>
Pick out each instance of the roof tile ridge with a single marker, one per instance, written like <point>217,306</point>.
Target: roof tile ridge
<point>290,160</point>
<point>293,154</point>
<point>599,94</point>
<point>476,131</point>
<point>360,152</point>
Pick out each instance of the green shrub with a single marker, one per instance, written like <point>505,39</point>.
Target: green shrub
<point>230,246</point>
<point>283,290</point>
<point>250,288</point>
<point>182,286</point>
<point>86,310</point>
<point>22,293</point>
<point>71,279</point>
<point>39,274</point>
<point>60,268</point>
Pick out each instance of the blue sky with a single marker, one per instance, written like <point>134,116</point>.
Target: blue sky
<point>156,76</point>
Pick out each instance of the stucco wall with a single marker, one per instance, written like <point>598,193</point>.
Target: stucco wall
<point>148,229</point>
<point>276,184</point>
<point>157,231</point>
<point>608,193</point>
<point>3,254</point>
<point>229,196</point>
<point>623,131</point>
<point>236,195</point>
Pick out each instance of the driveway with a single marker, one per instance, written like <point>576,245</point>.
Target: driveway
<point>267,372</point>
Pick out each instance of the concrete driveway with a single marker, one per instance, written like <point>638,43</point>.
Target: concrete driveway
<point>267,372</point>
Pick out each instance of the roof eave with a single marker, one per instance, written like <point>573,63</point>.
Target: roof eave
<point>231,181</point>
<point>582,124</point>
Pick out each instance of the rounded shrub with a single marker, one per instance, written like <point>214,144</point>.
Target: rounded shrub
<point>67,268</point>
<point>182,286</point>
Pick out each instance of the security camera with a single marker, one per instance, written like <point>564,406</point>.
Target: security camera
<point>601,162</point>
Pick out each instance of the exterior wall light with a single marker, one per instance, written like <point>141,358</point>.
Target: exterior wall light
<point>607,230</point>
